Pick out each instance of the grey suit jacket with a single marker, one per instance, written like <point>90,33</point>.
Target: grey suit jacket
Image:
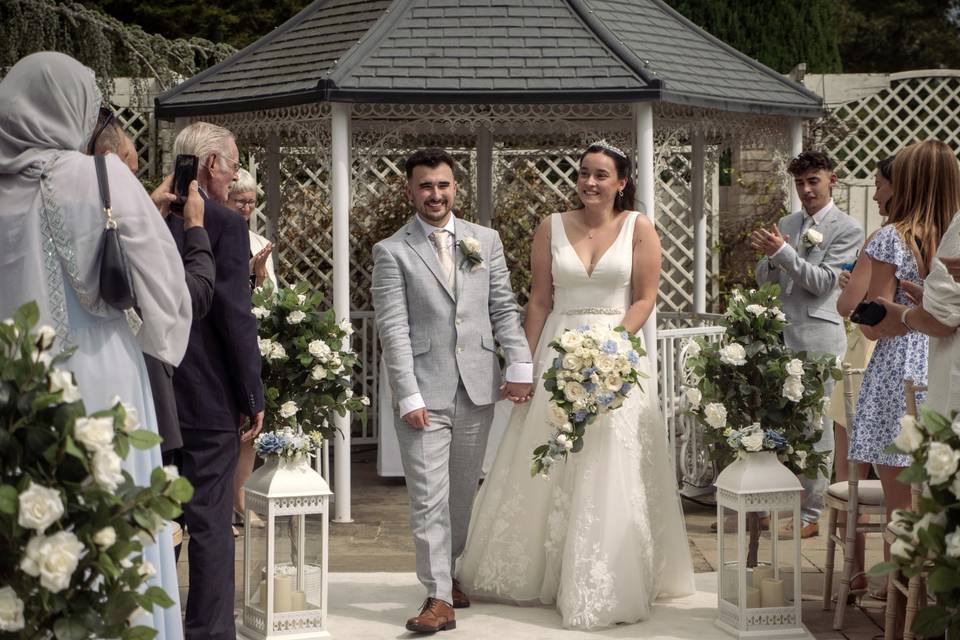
<point>808,280</point>
<point>433,337</point>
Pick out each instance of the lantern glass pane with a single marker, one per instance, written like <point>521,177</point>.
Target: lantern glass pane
<point>298,552</point>
<point>254,581</point>
<point>731,557</point>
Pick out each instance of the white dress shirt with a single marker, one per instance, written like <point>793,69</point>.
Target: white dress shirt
<point>519,372</point>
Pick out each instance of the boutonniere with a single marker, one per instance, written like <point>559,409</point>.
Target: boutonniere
<point>812,238</point>
<point>470,247</point>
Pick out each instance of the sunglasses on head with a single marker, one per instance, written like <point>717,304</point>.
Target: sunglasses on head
<point>105,118</point>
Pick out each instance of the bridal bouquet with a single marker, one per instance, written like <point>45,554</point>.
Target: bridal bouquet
<point>928,539</point>
<point>595,369</point>
<point>307,361</point>
<point>73,524</point>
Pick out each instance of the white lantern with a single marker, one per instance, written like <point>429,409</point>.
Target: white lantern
<point>759,582</point>
<point>285,552</point>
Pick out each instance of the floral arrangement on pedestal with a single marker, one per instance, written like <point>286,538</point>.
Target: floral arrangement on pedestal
<point>928,539</point>
<point>72,522</point>
<point>751,393</point>
<point>287,443</point>
<point>594,371</point>
<point>307,360</point>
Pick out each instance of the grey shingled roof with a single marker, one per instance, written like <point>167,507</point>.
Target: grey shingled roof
<point>488,51</point>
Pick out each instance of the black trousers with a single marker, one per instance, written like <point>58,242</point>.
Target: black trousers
<point>208,460</point>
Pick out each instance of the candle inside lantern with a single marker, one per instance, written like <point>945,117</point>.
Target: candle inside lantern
<point>771,592</point>
<point>730,593</point>
<point>760,573</point>
<point>298,601</point>
<point>282,593</point>
<point>753,598</point>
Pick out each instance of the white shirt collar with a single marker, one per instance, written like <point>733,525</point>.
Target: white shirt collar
<point>818,216</point>
<point>429,228</point>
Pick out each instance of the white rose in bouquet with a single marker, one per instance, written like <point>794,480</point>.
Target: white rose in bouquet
<point>107,468</point>
<point>570,361</point>
<point>953,544</point>
<point>910,437</point>
<point>319,350</point>
<point>941,462</point>
<point>260,312</point>
<point>556,414</point>
<point>318,373</point>
<point>171,473</point>
<point>277,352</point>
<point>45,337</point>
<point>11,610</point>
<point>605,362</point>
<point>62,381</point>
<point>779,315</point>
<point>793,389</point>
<point>131,419</point>
<point>901,548</point>
<point>571,340</point>
<point>289,409</point>
<point>266,345</point>
<point>40,507</point>
<point>574,392</point>
<point>296,317</point>
<point>105,538</point>
<point>715,414</point>
<point>756,309</point>
<point>733,354</point>
<point>795,368</point>
<point>694,397</point>
<point>53,559</point>
<point>753,442</point>
<point>613,382</point>
<point>94,433</point>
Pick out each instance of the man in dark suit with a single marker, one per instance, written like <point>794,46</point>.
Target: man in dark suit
<point>217,387</point>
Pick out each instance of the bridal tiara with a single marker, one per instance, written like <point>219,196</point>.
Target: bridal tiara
<point>603,144</point>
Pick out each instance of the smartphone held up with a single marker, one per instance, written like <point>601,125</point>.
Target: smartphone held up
<point>184,172</point>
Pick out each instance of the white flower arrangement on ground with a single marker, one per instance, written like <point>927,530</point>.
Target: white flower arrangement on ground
<point>307,361</point>
<point>595,369</point>
<point>928,539</point>
<point>72,522</point>
<point>751,393</point>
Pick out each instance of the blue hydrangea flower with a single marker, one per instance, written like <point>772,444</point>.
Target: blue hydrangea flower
<point>609,347</point>
<point>624,335</point>
<point>632,357</point>
<point>605,398</point>
<point>625,389</point>
<point>557,363</point>
<point>773,440</point>
<point>589,386</point>
<point>579,416</point>
<point>589,371</point>
<point>269,443</point>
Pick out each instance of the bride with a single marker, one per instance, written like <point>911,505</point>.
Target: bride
<point>603,535</point>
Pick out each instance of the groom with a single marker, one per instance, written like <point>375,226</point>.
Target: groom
<point>442,295</point>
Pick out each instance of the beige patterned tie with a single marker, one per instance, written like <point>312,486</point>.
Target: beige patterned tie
<point>440,242</point>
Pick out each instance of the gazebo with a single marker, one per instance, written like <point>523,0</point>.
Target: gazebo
<point>329,102</point>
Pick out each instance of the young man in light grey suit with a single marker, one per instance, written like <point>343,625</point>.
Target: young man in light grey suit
<point>442,295</point>
<point>803,254</point>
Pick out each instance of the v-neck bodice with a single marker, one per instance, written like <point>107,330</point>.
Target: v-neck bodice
<point>608,286</point>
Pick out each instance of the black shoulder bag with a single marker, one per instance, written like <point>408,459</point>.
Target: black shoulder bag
<point>116,283</point>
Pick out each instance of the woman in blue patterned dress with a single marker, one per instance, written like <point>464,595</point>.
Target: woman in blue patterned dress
<point>900,252</point>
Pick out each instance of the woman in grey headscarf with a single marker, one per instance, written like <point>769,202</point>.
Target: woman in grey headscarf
<point>52,224</point>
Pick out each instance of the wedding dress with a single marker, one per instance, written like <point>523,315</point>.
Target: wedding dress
<point>603,536</point>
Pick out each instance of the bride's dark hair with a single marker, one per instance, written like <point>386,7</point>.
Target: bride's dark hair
<point>627,201</point>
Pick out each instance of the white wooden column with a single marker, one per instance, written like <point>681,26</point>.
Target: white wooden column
<point>796,146</point>
<point>340,196</point>
<point>485,177</point>
<point>699,215</point>
<point>271,166</point>
<point>646,178</point>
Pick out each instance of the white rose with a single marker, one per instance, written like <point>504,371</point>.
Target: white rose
<point>570,340</point>
<point>107,468</point>
<point>45,337</point>
<point>53,559</point>
<point>901,548</point>
<point>471,244</point>
<point>94,433</point>
<point>62,381</point>
<point>801,459</point>
<point>693,349</point>
<point>570,362</point>
<point>793,389</point>
<point>795,368</point>
<point>753,442</point>
<point>296,317</point>
<point>105,538</point>
<point>574,392</point>
<point>924,523</point>
<point>261,312</point>
<point>318,373</point>
<point>348,393</point>
<point>715,414</point>
<point>346,327</point>
<point>11,610</point>
<point>605,362</point>
<point>171,472</point>
<point>564,441</point>
<point>319,350</point>
<point>131,419</point>
<point>733,354</point>
<point>898,522</point>
<point>738,296</point>
<point>266,345</point>
<point>953,544</point>
<point>756,309</point>
<point>277,352</point>
<point>779,315</point>
<point>147,570</point>
<point>336,364</point>
<point>556,415</point>
<point>289,409</point>
<point>301,298</point>
<point>813,236</point>
<point>566,427</point>
<point>613,383</point>
<point>39,507</point>
<point>941,462</point>
<point>365,401</point>
<point>694,397</point>
<point>910,437</point>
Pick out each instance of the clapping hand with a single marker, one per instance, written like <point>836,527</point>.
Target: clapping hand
<point>258,264</point>
<point>768,241</point>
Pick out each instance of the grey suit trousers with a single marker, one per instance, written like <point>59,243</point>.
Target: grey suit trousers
<point>442,465</point>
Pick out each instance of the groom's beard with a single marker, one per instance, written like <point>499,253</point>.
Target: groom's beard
<point>434,216</point>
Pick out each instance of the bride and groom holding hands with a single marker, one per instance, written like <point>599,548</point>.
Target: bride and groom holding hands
<point>602,536</point>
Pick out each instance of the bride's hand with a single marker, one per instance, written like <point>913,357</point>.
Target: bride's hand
<point>518,392</point>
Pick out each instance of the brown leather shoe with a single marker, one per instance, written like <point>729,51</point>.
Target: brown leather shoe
<point>435,615</point>
<point>460,599</point>
<point>808,530</point>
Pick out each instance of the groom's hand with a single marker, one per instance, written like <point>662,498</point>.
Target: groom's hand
<point>517,392</point>
<point>418,418</point>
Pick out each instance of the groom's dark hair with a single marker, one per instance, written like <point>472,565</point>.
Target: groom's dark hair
<point>430,158</point>
<point>810,161</point>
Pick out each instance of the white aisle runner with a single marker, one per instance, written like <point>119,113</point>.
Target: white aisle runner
<point>375,606</point>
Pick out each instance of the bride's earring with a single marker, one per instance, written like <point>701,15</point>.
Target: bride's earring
<point>620,193</point>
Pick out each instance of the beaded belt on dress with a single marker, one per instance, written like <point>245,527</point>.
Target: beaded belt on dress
<point>594,311</point>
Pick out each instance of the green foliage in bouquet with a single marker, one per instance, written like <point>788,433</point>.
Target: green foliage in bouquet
<point>72,522</point>
<point>928,539</point>
<point>307,361</point>
<point>752,393</point>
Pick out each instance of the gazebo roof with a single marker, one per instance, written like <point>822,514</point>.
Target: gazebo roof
<point>488,52</point>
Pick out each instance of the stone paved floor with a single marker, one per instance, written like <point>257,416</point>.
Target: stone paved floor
<point>379,539</point>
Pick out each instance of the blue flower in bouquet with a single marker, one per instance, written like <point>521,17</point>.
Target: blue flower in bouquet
<point>773,440</point>
<point>609,347</point>
<point>588,372</point>
<point>625,389</point>
<point>579,416</point>
<point>557,363</point>
<point>269,444</point>
<point>589,386</point>
<point>625,335</point>
<point>605,398</point>
<point>632,357</point>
